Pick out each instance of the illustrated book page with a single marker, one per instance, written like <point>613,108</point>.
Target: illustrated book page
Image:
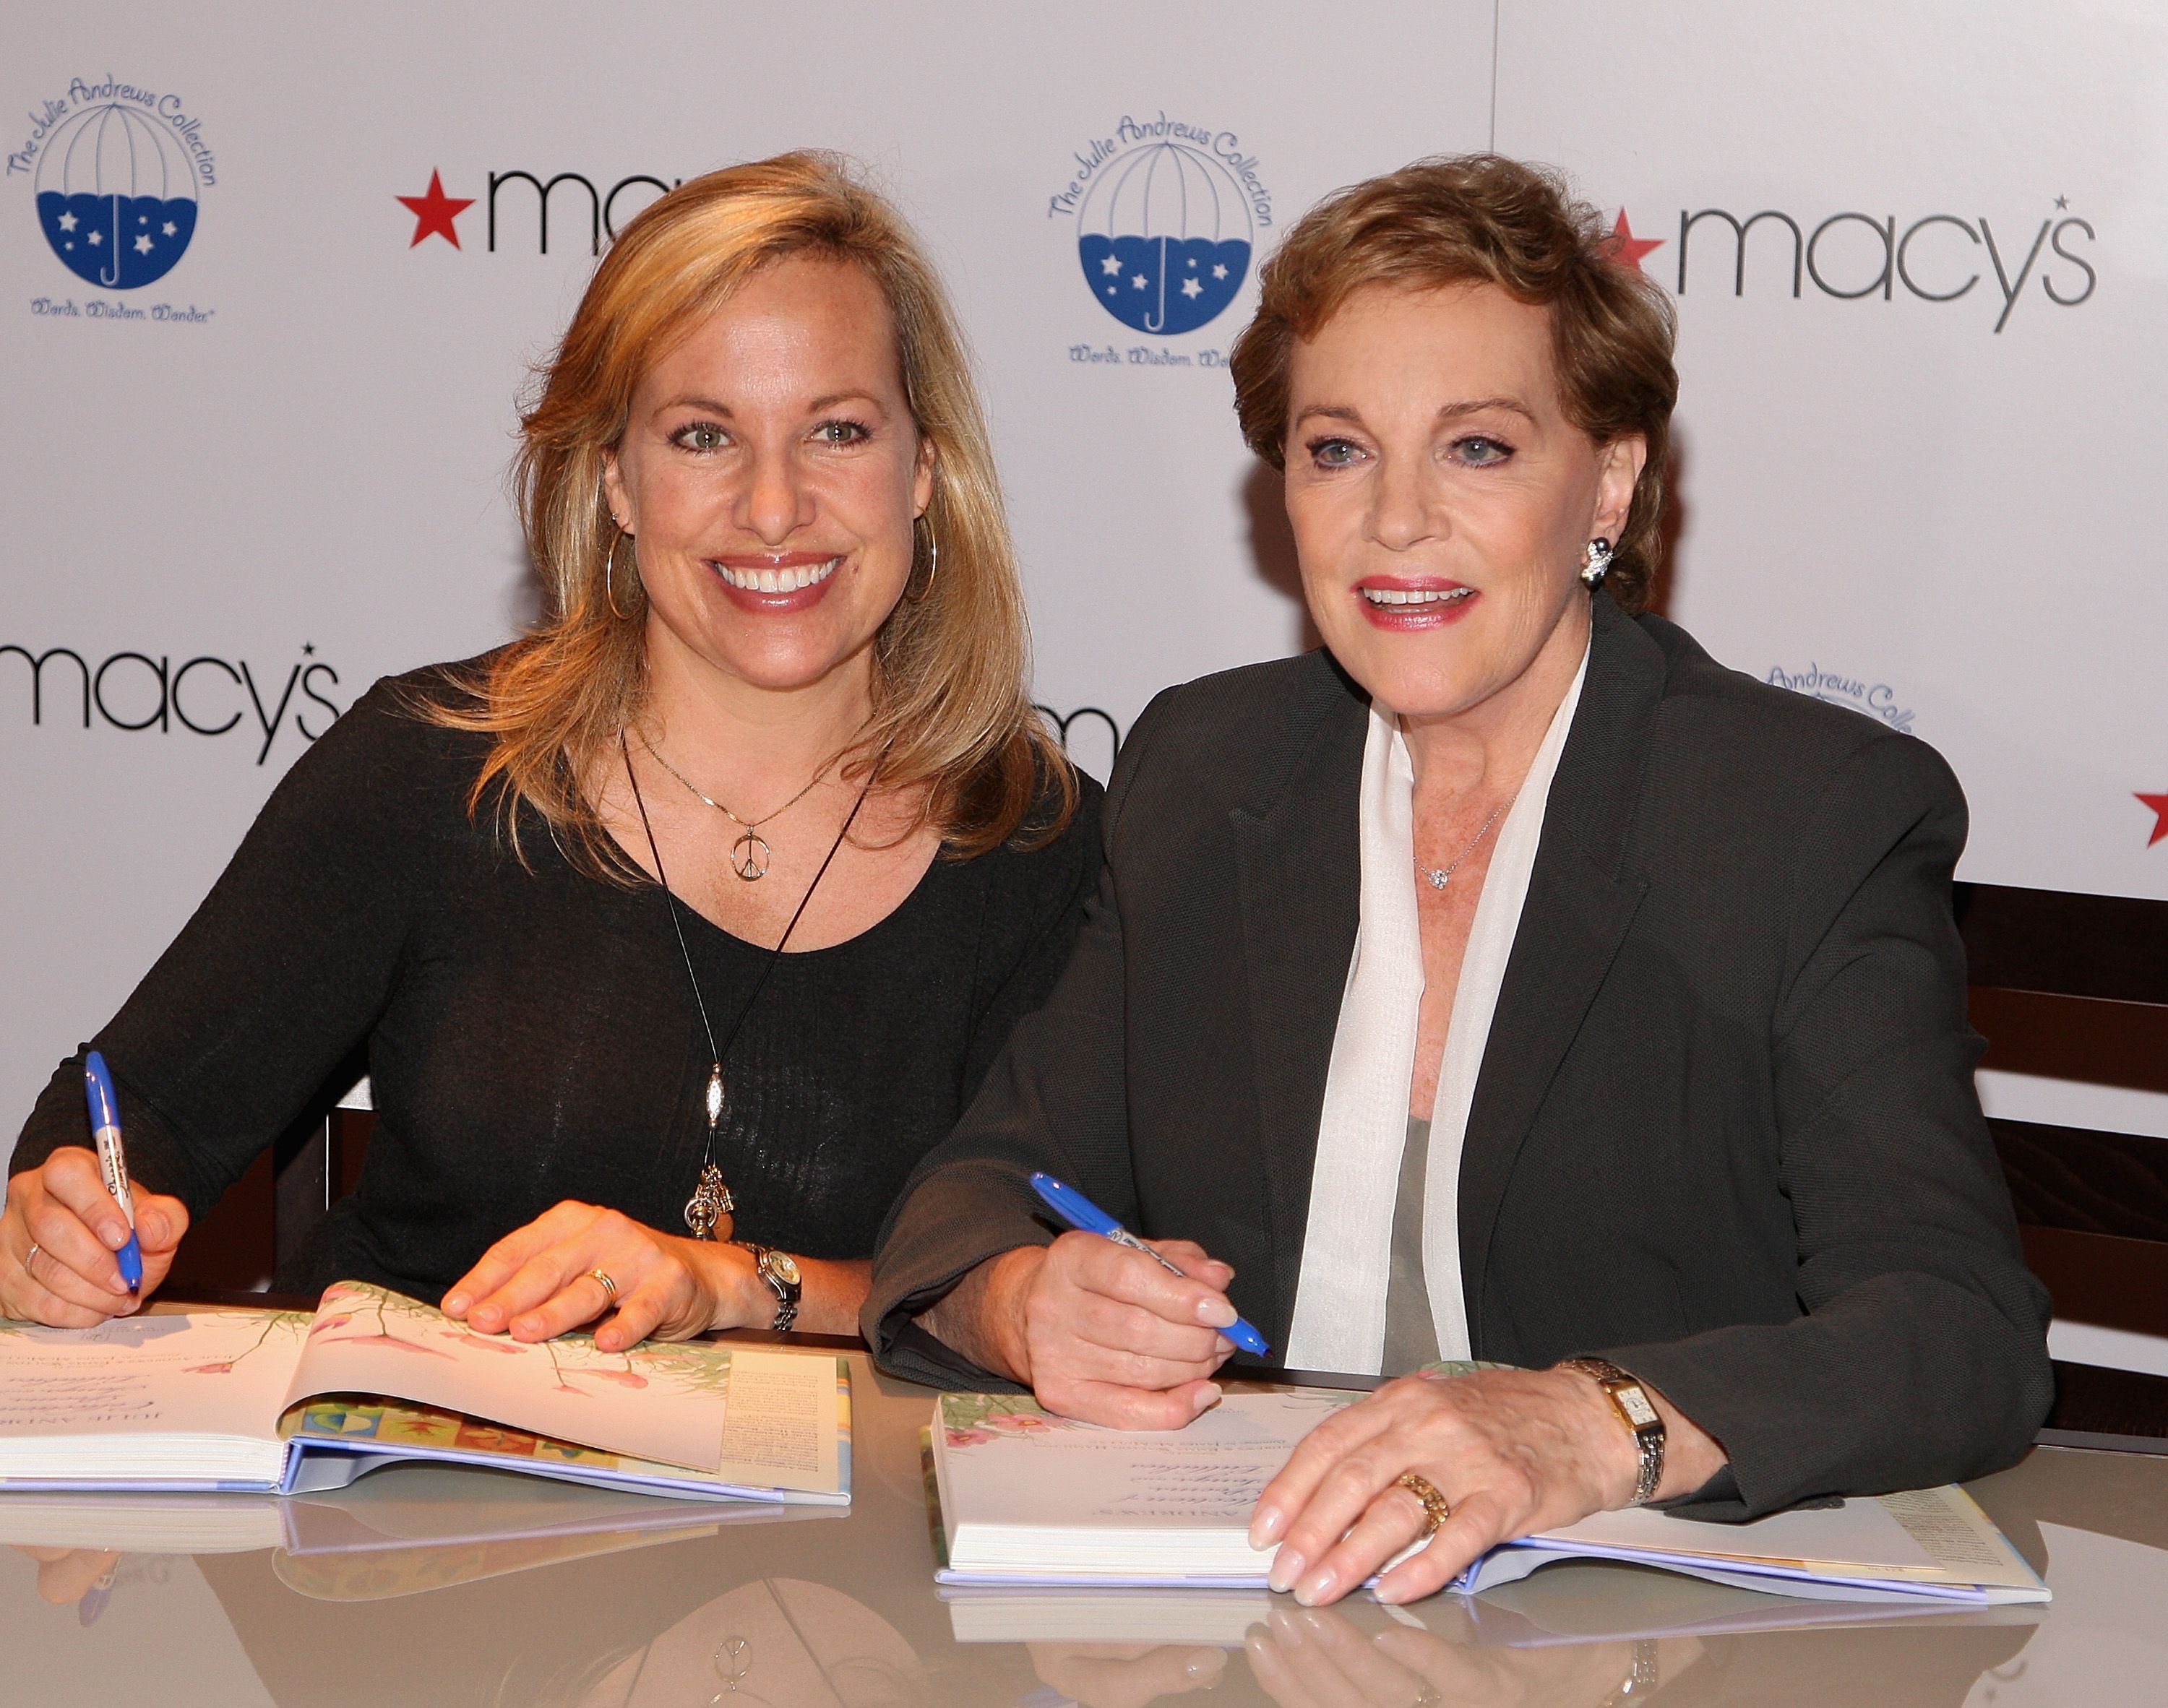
<point>659,1400</point>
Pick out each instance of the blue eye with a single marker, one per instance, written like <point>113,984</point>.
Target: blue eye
<point>1481,452</point>
<point>1333,453</point>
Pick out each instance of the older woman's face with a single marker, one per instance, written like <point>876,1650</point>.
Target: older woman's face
<point>770,471</point>
<point>1442,501</point>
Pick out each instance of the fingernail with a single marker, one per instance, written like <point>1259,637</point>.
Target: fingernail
<point>457,1304</point>
<point>114,1284</point>
<point>527,1325</point>
<point>1207,1398</point>
<point>1207,1666</point>
<point>1266,1527</point>
<point>114,1235</point>
<point>1221,1344</point>
<point>1287,1569</point>
<point>1215,1314</point>
<point>1318,1587</point>
<point>489,1314</point>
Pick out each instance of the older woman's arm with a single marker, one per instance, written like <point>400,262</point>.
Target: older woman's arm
<point>1923,1355</point>
<point>970,1285</point>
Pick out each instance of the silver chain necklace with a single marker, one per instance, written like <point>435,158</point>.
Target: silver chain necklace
<point>750,854</point>
<point>711,1200</point>
<point>1440,876</point>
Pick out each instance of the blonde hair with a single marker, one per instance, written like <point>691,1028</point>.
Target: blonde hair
<point>951,712</point>
<point>1453,218</point>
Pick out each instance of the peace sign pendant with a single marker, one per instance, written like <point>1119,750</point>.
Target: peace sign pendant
<point>749,855</point>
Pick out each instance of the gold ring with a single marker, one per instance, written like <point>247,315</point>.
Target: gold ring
<point>609,1287</point>
<point>1435,1510</point>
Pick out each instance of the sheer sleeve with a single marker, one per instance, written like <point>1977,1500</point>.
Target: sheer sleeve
<point>280,972</point>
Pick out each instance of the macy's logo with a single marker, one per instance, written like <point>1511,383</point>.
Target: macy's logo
<point>1936,258</point>
<point>133,691</point>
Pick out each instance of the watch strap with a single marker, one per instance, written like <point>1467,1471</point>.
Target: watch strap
<point>1638,1412</point>
<point>786,1292</point>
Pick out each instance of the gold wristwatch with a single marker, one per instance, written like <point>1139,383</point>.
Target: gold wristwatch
<point>779,1269</point>
<point>1638,1411</point>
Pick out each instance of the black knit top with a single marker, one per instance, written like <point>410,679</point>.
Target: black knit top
<point>529,1035</point>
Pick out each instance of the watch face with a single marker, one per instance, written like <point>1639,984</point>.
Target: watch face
<point>1635,1404</point>
<point>785,1267</point>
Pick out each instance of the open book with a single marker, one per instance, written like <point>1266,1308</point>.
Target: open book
<point>286,1402</point>
<point>1026,1497</point>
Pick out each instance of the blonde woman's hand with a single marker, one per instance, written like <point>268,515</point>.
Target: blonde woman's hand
<point>57,1239</point>
<point>539,1281</point>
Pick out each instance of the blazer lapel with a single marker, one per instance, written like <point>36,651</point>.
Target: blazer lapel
<point>1582,900</point>
<point>1298,880</point>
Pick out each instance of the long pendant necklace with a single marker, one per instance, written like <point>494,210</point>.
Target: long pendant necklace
<point>750,854</point>
<point>711,1200</point>
<point>1440,876</point>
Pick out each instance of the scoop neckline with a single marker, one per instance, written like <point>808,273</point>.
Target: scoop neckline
<point>734,941</point>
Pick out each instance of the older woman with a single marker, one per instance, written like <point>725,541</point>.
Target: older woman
<point>701,910</point>
<point>1508,980</point>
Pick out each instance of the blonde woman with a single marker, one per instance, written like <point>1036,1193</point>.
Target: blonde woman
<point>676,932</point>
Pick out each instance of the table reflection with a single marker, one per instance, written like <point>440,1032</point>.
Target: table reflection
<point>405,1593</point>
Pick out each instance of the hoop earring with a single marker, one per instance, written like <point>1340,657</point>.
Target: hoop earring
<point>1596,562</point>
<point>610,575</point>
<point>933,559</point>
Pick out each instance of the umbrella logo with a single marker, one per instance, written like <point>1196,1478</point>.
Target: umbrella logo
<point>116,193</point>
<point>1166,216</point>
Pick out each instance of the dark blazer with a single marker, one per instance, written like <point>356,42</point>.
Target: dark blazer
<point>1725,1132</point>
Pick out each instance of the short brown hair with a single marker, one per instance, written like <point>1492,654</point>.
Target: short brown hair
<point>952,713</point>
<point>1481,218</point>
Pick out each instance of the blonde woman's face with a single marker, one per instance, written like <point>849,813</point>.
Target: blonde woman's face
<point>770,473</point>
<point>1440,499</point>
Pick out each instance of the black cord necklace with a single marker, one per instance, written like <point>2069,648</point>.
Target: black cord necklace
<point>711,1200</point>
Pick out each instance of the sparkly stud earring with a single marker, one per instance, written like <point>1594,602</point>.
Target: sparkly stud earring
<point>1596,562</point>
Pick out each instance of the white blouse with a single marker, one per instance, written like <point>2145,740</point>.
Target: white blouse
<point>1347,1254</point>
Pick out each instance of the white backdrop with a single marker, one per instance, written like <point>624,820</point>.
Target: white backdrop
<point>284,455</point>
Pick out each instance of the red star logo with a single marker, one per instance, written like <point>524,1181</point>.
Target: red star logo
<point>434,214</point>
<point>2158,805</point>
<point>1623,247</point>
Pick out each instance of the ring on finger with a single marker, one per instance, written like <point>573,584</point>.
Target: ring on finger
<point>608,1286</point>
<point>1434,1509</point>
<point>29,1256</point>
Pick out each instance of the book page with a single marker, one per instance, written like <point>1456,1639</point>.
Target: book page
<point>663,1401</point>
<point>1008,1463</point>
<point>211,1373</point>
<point>1926,1535</point>
<point>1858,1533</point>
<point>781,1427</point>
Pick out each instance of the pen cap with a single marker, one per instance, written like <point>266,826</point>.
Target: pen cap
<point>97,1092</point>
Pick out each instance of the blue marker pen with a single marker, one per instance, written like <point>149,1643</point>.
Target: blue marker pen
<point>1079,1211</point>
<point>105,1124</point>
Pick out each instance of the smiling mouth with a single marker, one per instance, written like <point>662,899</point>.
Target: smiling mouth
<point>789,579</point>
<point>1415,599</point>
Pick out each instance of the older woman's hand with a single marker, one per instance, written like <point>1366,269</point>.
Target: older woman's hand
<point>1514,1452</point>
<point>539,1281</point>
<point>58,1235</point>
<point>1101,1333</point>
